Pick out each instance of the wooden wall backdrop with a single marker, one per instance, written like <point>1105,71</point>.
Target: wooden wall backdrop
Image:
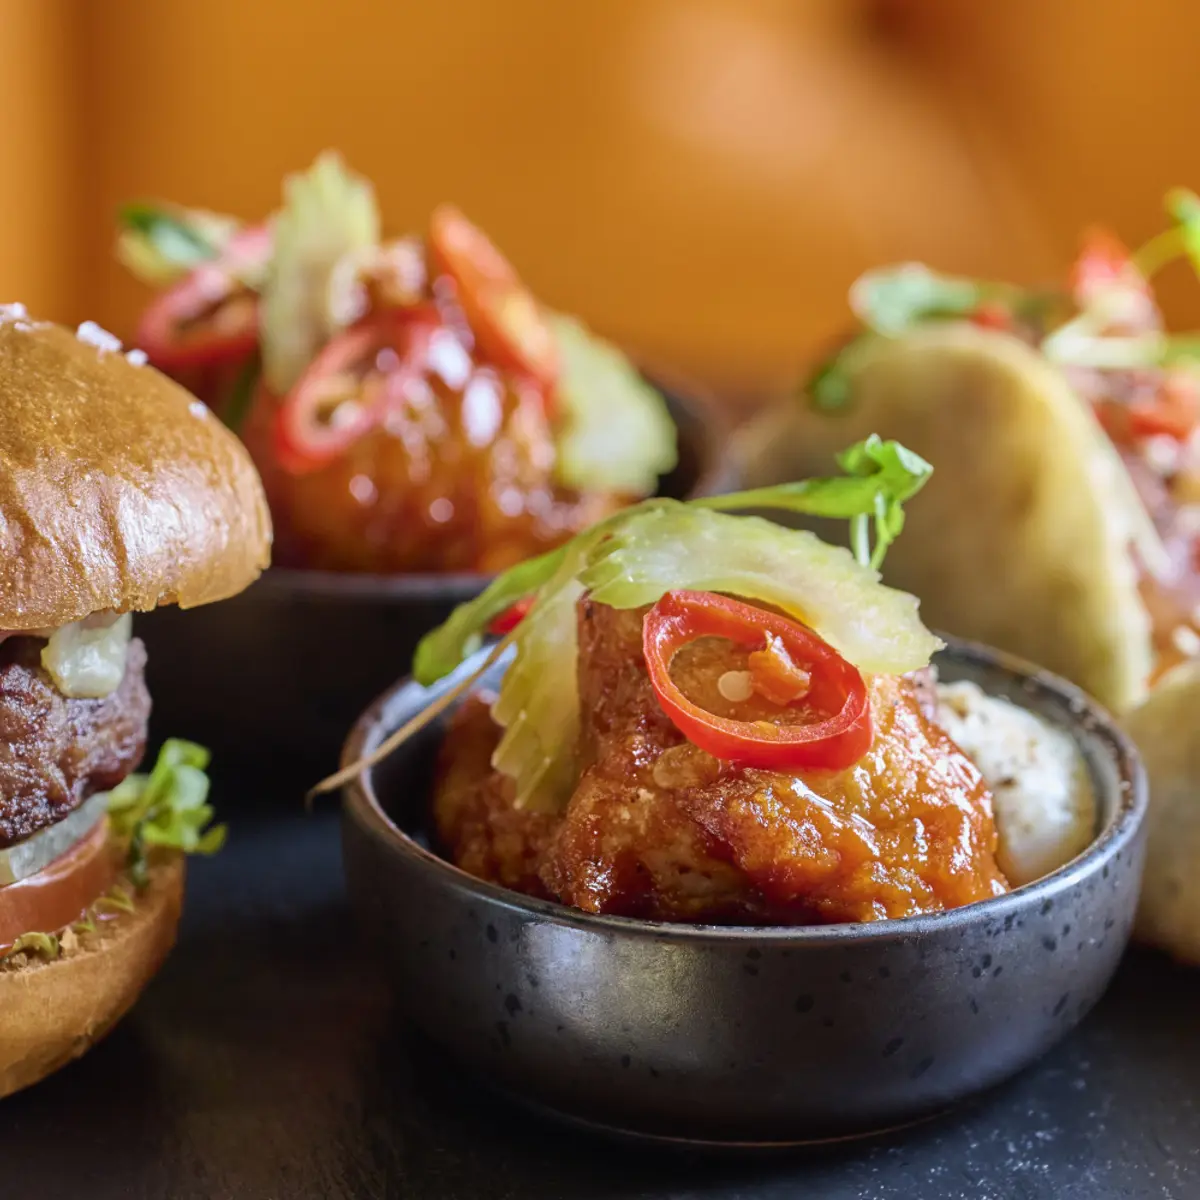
<point>699,178</point>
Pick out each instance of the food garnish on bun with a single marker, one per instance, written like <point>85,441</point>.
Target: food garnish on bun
<point>118,493</point>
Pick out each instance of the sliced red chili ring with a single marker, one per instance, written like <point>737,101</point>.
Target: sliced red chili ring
<point>831,742</point>
<point>1104,264</point>
<point>509,327</point>
<point>59,895</point>
<point>211,316</point>
<point>348,388</point>
<point>993,315</point>
<point>1174,412</point>
<point>511,617</point>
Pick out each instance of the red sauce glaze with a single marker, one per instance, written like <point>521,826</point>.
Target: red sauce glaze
<point>658,829</point>
<point>459,478</point>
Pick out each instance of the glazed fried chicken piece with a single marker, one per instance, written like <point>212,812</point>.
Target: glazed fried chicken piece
<point>489,837</point>
<point>657,828</point>
<point>460,478</point>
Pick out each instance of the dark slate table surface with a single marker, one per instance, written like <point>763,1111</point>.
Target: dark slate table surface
<point>267,1063</point>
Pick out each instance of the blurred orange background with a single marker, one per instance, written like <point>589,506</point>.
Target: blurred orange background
<point>701,179</point>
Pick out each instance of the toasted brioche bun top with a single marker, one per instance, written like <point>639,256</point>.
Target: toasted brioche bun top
<point>118,491</point>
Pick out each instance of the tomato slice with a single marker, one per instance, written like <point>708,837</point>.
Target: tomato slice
<point>58,896</point>
<point>211,317</point>
<point>509,327</point>
<point>348,388</point>
<point>836,687</point>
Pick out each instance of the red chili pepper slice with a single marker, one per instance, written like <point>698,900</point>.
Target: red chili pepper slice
<point>1103,264</point>
<point>992,315</point>
<point>511,617</point>
<point>837,687</point>
<point>348,388</point>
<point>509,327</point>
<point>1173,411</point>
<point>211,316</point>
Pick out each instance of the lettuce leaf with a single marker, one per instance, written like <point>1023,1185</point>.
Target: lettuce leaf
<point>37,945</point>
<point>168,807</point>
<point>440,651</point>
<point>160,244</point>
<point>893,299</point>
<point>615,434</point>
<point>875,627</point>
<point>539,709</point>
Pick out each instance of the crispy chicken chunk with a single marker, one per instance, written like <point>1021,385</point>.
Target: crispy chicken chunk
<point>657,828</point>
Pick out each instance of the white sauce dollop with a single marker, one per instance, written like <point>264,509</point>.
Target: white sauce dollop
<point>1044,806</point>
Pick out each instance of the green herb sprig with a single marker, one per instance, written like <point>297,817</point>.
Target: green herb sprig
<point>167,807</point>
<point>891,301</point>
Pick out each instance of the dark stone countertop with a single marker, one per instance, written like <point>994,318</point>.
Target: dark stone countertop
<point>267,1063</point>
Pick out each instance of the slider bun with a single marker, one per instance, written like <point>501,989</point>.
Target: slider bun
<point>53,1012</point>
<point>118,491</point>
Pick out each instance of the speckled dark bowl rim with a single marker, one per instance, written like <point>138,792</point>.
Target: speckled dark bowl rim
<point>718,473</point>
<point>359,795</point>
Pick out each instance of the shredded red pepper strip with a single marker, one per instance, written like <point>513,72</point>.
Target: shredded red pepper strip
<point>511,617</point>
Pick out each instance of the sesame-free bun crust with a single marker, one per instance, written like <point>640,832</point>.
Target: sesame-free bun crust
<point>118,491</point>
<point>55,1011</point>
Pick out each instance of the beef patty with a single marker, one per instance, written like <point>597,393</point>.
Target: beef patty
<point>55,752</point>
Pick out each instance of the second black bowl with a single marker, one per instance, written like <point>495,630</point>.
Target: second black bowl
<point>282,671</point>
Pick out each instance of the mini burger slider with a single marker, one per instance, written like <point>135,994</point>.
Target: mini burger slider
<point>118,493</point>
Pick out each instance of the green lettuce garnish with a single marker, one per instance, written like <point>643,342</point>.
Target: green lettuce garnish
<point>614,431</point>
<point>167,807</point>
<point>40,945</point>
<point>890,301</point>
<point>160,244</point>
<point>633,557</point>
<point>893,299</point>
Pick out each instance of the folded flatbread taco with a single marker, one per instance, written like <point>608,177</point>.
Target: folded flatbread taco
<point>1063,523</point>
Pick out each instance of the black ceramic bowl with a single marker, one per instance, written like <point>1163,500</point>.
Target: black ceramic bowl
<point>280,672</point>
<point>743,1036</point>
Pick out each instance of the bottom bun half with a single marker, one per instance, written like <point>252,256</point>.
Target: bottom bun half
<point>52,1012</point>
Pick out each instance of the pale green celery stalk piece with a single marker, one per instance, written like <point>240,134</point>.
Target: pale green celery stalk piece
<point>614,433</point>
<point>538,705</point>
<point>875,627</point>
<point>327,212</point>
<point>460,635</point>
